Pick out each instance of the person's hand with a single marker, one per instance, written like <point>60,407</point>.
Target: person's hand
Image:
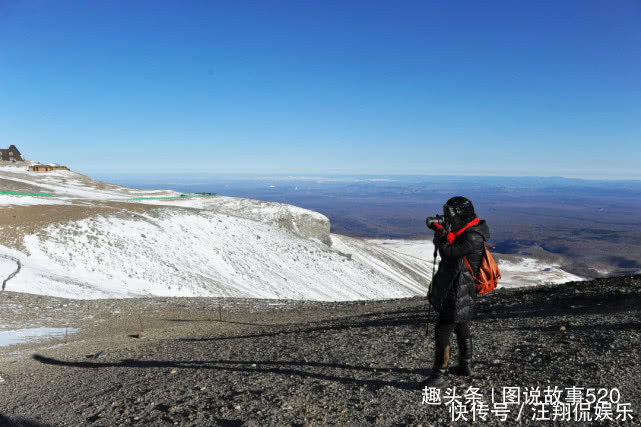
<point>433,222</point>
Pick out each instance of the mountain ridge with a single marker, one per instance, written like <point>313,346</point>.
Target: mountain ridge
<point>97,240</point>
<point>92,240</point>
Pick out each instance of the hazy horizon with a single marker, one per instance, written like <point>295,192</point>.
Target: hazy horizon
<point>337,177</point>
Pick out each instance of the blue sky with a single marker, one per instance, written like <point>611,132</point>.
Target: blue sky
<point>302,87</point>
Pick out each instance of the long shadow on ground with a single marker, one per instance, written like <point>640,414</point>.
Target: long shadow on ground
<point>250,366</point>
<point>416,317</point>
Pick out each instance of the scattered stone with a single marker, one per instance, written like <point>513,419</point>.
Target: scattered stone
<point>95,355</point>
<point>317,359</point>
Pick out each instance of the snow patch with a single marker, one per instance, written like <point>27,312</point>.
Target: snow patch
<point>10,200</point>
<point>28,335</point>
<point>303,222</point>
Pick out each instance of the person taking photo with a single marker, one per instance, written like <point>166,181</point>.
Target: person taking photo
<point>458,234</point>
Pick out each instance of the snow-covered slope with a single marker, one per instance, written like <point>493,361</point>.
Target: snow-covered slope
<point>197,252</point>
<point>68,185</point>
<point>217,246</point>
<point>92,240</point>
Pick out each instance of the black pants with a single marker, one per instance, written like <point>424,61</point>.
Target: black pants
<point>443,332</point>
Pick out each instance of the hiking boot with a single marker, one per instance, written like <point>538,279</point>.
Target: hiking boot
<point>465,358</point>
<point>438,377</point>
<point>464,368</point>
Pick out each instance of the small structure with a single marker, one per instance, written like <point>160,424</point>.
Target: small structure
<point>47,168</point>
<point>11,154</point>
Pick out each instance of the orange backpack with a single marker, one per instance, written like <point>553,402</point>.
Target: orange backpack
<point>488,275</point>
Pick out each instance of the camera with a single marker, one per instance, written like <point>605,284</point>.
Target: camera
<point>440,219</point>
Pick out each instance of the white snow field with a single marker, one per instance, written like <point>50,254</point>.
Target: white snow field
<point>516,272</point>
<point>217,246</point>
<point>214,246</point>
<point>10,200</point>
<point>201,253</point>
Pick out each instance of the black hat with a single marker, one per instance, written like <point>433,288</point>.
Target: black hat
<point>461,207</point>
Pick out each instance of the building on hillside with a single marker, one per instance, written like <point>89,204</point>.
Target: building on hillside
<point>47,168</point>
<point>11,154</point>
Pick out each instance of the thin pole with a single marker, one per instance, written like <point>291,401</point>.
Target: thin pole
<point>429,292</point>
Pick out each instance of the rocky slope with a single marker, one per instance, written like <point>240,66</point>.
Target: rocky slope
<point>233,362</point>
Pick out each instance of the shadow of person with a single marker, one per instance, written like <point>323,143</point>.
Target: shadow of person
<point>339,372</point>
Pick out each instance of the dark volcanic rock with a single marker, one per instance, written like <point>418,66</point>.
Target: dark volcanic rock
<point>328,363</point>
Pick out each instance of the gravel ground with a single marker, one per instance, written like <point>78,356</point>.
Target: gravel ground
<point>208,361</point>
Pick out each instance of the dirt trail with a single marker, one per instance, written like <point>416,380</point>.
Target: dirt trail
<point>12,275</point>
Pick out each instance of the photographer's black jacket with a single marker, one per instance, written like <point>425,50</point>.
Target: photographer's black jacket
<point>454,291</point>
